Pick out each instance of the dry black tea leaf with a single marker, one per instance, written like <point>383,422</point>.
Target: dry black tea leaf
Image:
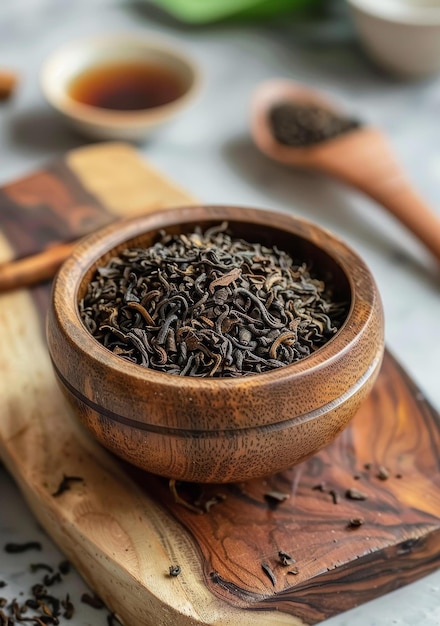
<point>285,559</point>
<point>36,567</point>
<point>356,522</point>
<point>383,473</point>
<point>276,497</point>
<point>335,496</point>
<point>68,606</point>
<point>269,573</point>
<point>49,580</point>
<point>64,567</point>
<point>38,590</point>
<point>16,548</point>
<point>32,604</point>
<point>174,570</point>
<point>294,571</point>
<point>207,506</point>
<point>65,484</point>
<point>355,494</point>
<point>92,600</point>
<point>194,508</point>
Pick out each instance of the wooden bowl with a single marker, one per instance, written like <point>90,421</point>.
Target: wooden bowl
<point>219,429</point>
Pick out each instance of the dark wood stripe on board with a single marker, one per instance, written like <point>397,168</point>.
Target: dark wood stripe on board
<point>48,207</point>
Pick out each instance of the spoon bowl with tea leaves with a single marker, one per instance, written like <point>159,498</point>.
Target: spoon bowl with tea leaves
<point>300,127</point>
<point>215,343</point>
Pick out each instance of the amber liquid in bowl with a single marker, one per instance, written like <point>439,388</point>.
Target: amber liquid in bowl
<point>129,86</point>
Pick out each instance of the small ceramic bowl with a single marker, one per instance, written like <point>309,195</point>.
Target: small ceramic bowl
<point>401,36</point>
<point>218,429</point>
<point>70,62</point>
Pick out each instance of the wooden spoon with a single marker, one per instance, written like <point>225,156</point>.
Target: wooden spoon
<point>362,158</point>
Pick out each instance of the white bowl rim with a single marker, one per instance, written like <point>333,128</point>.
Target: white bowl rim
<point>119,119</point>
<point>409,15</point>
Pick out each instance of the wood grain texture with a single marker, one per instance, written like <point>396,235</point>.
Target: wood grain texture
<point>71,198</point>
<point>399,538</point>
<point>48,207</point>
<point>123,530</point>
<point>114,173</point>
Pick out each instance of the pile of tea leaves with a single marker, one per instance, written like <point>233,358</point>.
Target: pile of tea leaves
<point>301,125</point>
<point>204,304</point>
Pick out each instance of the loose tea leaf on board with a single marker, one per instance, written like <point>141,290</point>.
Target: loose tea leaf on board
<point>174,570</point>
<point>66,483</point>
<point>355,494</point>
<point>269,573</point>
<point>356,522</point>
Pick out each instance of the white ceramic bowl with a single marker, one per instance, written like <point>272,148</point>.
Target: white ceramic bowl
<point>69,62</point>
<point>402,36</point>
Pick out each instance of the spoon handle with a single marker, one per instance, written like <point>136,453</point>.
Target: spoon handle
<point>371,167</point>
<point>412,211</point>
<point>33,269</point>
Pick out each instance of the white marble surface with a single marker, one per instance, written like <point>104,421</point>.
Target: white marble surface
<point>208,150</point>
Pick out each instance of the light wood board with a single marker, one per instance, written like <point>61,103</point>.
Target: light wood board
<point>121,527</point>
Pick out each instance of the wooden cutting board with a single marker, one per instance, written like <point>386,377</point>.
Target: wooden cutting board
<point>121,527</point>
